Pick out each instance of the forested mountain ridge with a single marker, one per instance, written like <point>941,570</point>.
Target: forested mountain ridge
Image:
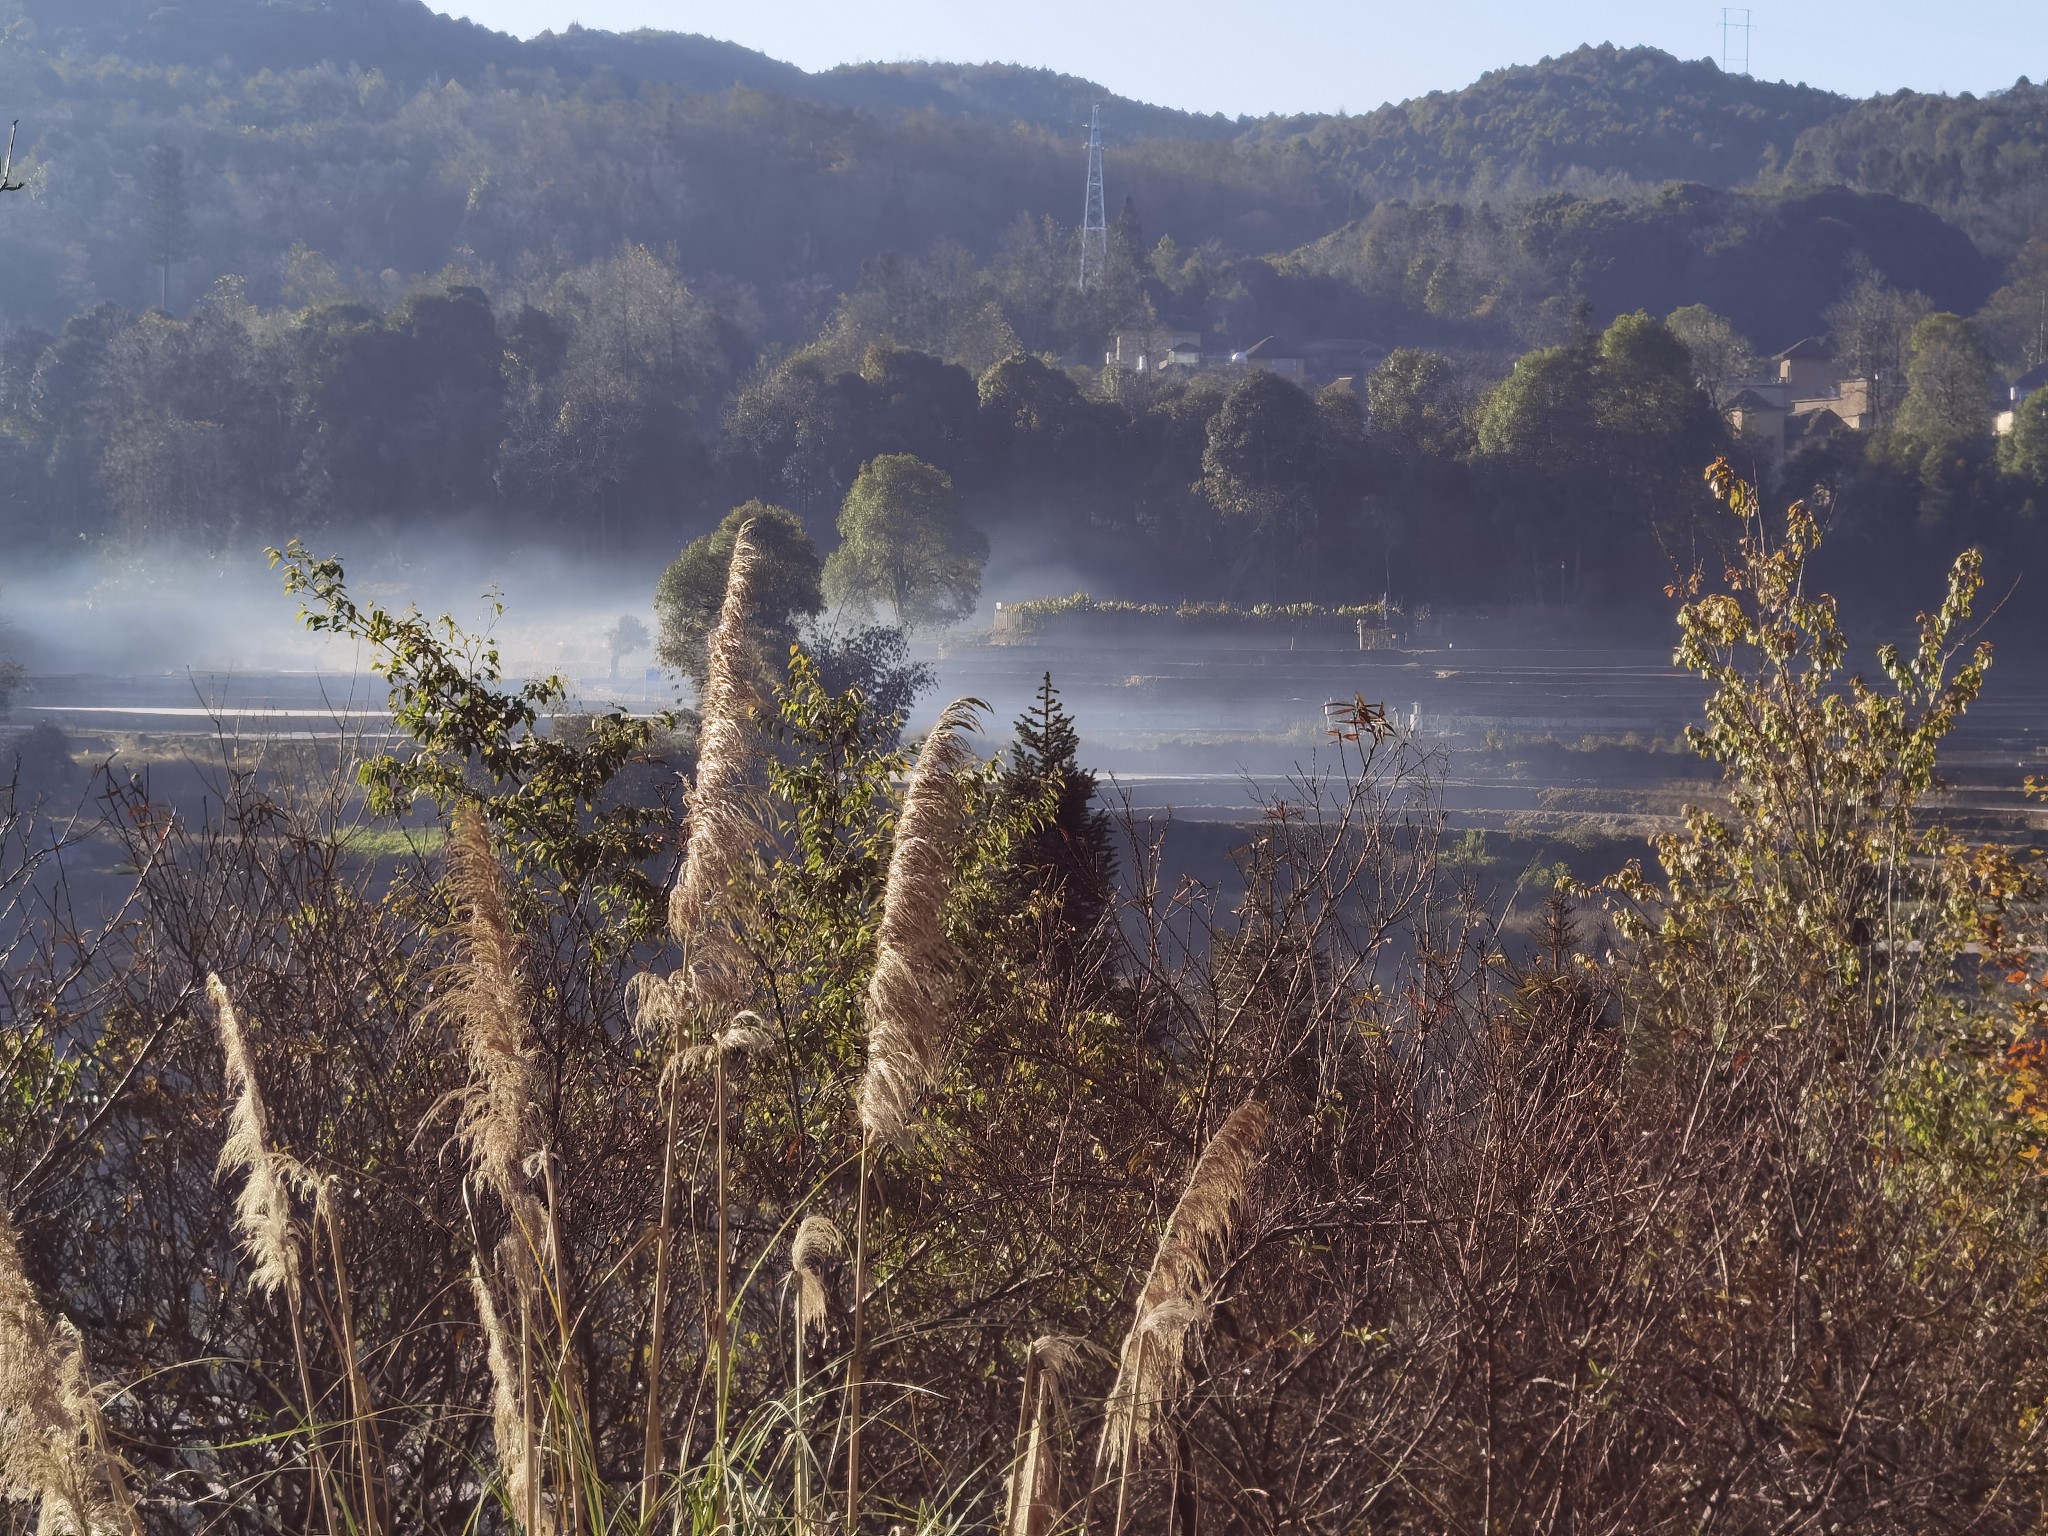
<point>1596,116</point>
<point>407,42</point>
<point>396,141</point>
<point>1771,262</point>
<point>1980,159</point>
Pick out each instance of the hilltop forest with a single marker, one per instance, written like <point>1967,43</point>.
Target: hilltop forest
<point>360,269</point>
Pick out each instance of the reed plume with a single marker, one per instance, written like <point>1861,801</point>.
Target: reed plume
<point>1035,1500</point>
<point>721,831</point>
<point>263,1210</point>
<point>908,995</point>
<point>745,1036</point>
<point>53,1442</point>
<point>818,1242</point>
<point>484,999</point>
<point>915,962</point>
<point>1153,1372</point>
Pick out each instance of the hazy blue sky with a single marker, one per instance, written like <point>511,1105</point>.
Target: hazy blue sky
<point>1322,55</point>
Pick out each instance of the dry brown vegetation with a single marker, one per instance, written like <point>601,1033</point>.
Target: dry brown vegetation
<point>1326,1209</point>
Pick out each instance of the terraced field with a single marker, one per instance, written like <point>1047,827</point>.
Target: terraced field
<point>1533,737</point>
<point>1544,748</point>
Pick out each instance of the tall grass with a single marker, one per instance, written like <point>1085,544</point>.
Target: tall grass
<point>54,1454</point>
<point>907,997</point>
<point>720,832</point>
<point>1153,1370</point>
<point>483,1000</point>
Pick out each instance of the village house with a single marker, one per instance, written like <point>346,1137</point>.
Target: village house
<point>1148,351</point>
<point>1805,397</point>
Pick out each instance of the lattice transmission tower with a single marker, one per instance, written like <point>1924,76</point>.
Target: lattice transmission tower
<point>1094,217</point>
<point>1734,40</point>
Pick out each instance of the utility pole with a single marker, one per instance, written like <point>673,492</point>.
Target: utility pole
<point>1734,40</point>
<point>1094,218</point>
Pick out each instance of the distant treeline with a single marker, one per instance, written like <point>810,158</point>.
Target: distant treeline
<point>613,410</point>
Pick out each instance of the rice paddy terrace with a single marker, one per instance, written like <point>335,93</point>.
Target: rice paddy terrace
<point>1537,736</point>
<point>1536,739</point>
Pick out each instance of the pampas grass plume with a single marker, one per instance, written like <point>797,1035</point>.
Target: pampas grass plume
<point>818,1242</point>
<point>53,1444</point>
<point>910,989</point>
<point>263,1210</point>
<point>484,1000</point>
<point>747,1035</point>
<point>721,833</point>
<point>1153,1370</point>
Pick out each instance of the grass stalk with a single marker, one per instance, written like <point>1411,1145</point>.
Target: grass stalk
<point>722,1327</point>
<point>1153,1370</point>
<point>856,1360</point>
<point>320,1496</point>
<point>362,1415</point>
<point>568,1375</point>
<point>529,1449</point>
<point>653,1440</point>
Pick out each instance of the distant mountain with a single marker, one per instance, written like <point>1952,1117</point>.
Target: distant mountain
<point>1012,93</point>
<point>395,142</point>
<point>1596,115</point>
<point>1770,262</point>
<point>409,43</point>
<point>1599,114</point>
<point>1982,158</point>
<point>400,39</point>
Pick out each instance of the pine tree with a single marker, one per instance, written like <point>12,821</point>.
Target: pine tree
<point>1070,857</point>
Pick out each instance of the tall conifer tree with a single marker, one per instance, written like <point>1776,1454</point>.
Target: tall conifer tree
<point>1071,857</point>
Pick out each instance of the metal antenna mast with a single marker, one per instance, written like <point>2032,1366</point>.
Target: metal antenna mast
<point>1734,40</point>
<point>1094,218</point>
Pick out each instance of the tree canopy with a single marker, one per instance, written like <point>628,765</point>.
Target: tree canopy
<point>786,588</point>
<point>904,543</point>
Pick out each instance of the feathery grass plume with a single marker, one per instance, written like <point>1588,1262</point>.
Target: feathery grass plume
<point>818,1242</point>
<point>720,834</point>
<point>1153,1372</point>
<point>509,1420</point>
<point>746,1035</point>
<point>907,997</point>
<point>484,999</point>
<point>914,960</point>
<point>721,831</point>
<point>1034,1501</point>
<point>53,1443</point>
<point>263,1210</point>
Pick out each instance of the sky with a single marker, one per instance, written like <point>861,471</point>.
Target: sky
<point>1241,56</point>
